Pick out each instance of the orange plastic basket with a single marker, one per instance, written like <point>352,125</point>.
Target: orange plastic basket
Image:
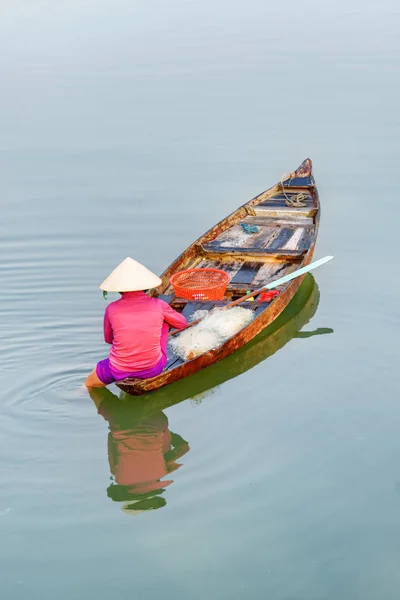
<point>200,284</point>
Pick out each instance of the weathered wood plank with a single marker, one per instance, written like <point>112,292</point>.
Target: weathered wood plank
<point>246,274</point>
<point>279,241</point>
<point>235,237</point>
<point>250,304</point>
<point>237,289</point>
<point>255,254</point>
<point>209,264</point>
<point>307,239</point>
<point>263,275</point>
<point>299,182</point>
<point>174,364</point>
<point>278,274</point>
<point>294,240</point>
<point>263,237</point>
<point>225,224</point>
<point>279,271</point>
<point>230,267</point>
<point>266,221</point>
<point>289,193</point>
<point>285,211</point>
<point>190,308</point>
<point>268,272</point>
<point>173,360</point>
<point>292,189</point>
<point>281,201</point>
<point>261,307</point>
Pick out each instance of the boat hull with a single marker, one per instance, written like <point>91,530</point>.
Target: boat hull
<point>260,322</point>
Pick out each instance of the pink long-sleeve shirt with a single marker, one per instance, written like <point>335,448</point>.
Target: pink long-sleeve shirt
<point>133,326</point>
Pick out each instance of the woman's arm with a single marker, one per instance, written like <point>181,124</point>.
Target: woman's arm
<point>172,317</point>
<point>108,332</point>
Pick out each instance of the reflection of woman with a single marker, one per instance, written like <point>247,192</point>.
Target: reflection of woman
<point>140,453</point>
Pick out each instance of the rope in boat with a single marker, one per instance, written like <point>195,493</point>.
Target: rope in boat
<point>298,200</point>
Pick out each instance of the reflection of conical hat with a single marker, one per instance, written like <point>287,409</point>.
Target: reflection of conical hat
<point>130,276</point>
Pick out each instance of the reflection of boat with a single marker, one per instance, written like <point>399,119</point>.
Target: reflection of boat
<point>268,237</point>
<point>141,448</point>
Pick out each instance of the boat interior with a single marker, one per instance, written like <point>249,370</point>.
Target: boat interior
<point>274,245</point>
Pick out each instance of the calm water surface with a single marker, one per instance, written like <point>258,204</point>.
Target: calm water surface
<point>128,128</point>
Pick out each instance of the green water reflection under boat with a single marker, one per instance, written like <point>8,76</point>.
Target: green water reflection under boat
<point>142,449</point>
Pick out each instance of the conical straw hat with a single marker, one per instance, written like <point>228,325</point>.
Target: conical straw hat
<point>130,276</point>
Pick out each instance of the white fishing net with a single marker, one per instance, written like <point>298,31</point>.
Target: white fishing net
<point>214,329</point>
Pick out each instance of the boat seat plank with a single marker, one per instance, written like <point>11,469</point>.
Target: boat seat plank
<point>285,211</point>
<point>273,236</point>
<point>255,254</point>
<point>289,192</point>
<point>260,239</point>
<point>299,182</point>
<point>279,222</point>
<point>279,200</point>
<point>236,237</point>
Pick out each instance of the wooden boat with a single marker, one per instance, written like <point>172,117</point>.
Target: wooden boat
<point>284,242</point>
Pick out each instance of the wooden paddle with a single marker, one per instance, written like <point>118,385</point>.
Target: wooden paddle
<point>270,286</point>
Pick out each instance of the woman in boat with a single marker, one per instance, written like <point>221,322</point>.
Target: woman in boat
<point>136,326</point>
